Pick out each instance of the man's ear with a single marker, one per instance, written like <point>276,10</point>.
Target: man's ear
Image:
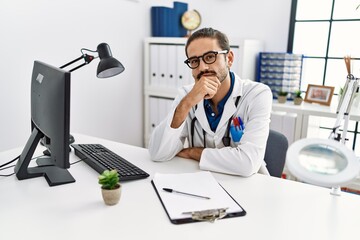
<point>230,58</point>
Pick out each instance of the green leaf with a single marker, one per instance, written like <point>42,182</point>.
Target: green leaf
<point>109,179</point>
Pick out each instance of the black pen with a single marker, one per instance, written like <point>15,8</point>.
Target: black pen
<point>189,194</point>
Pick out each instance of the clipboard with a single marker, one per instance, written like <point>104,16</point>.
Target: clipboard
<point>184,208</point>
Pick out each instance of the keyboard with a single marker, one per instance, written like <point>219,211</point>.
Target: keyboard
<point>100,158</point>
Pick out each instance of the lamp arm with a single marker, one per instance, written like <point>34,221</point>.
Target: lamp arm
<point>87,58</point>
<point>344,107</point>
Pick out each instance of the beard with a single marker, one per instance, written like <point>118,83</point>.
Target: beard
<point>221,75</point>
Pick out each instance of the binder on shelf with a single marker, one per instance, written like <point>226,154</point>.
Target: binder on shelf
<point>166,22</point>
<point>155,27</point>
<point>154,65</point>
<point>163,65</point>
<point>211,200</point>
<point>162,22</point>
<point>154,113</point>
<point>183,71</point>
<point>171,60</point>
<point>180,8</point>
<point>170,30</point>
<point>163,109</point>
<point>159,108</point>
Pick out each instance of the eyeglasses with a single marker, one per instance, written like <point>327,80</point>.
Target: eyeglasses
<point>208,58</point>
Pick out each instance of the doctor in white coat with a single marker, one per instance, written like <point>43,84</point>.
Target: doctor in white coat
<point>221,120</point>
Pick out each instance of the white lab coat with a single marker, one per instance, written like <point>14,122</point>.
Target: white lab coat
<point>242,158</point>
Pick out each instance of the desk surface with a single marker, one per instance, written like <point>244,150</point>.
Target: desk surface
<point>276,208</point>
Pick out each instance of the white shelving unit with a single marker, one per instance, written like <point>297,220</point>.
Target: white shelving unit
<point>165,72</point>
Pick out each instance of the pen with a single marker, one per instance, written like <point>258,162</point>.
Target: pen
<point>241,123</point>
<point>189,194</point>
<point>236,123</point>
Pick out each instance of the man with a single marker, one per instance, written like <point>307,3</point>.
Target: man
<point>221,120</point>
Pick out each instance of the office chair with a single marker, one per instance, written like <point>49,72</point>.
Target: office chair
<point>275,153</point>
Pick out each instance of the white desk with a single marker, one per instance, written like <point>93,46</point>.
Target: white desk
<point>276,208</point>
<point>305,110</point>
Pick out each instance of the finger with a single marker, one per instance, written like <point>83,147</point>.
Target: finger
<point>210,93</point>
<point>205,88</point>
<point>211,88</point>
<point>214,81</point>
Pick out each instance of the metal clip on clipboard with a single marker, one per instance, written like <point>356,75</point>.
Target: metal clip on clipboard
<point>208,215</point>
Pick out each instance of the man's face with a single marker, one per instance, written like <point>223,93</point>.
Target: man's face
<point>220,68</point>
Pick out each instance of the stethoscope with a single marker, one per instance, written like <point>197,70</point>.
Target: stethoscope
<point>226,139</point>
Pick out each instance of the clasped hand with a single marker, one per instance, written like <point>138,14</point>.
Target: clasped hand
<point>205,88</point>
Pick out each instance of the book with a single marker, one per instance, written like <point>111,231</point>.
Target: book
<point>163,22</point>
<point>180,8</point>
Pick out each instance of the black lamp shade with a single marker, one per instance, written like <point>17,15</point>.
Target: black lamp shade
<point>108,65</point>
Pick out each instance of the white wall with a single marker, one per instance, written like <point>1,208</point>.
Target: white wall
<point>54,31</point>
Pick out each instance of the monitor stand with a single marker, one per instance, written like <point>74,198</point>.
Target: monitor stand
<point>53,174</point>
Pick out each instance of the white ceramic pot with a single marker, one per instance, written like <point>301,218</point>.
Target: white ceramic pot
<point>111,197</point>
<point>282,99</point>
<point>298,101</point>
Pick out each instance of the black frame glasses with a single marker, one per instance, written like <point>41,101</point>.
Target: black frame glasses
<point>208,58</point>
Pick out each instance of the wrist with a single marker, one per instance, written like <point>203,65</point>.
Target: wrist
<point>181,112</point>
<point>195,153</point>
<point>185,104</point>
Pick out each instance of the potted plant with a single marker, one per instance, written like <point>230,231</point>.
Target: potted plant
<point>297,97</point>
<point>282,96</point>
<point>110,187</point>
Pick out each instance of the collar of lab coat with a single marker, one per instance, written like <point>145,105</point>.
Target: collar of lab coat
<point>229,108</point>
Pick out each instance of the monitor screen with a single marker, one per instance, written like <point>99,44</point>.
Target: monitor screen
<point>50,121</point>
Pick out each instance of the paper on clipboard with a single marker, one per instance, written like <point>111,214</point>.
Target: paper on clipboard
<point>179,206</point>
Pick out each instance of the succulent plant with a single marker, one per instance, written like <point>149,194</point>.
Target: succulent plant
<point>109,179</point>
<point>297,94</point>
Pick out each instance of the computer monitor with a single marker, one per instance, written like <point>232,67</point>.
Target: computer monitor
<point>50,121</point>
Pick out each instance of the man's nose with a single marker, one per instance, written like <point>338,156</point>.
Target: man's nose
<point>202,64</point>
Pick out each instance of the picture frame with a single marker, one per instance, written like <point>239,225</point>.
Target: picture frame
<point>319,94</point>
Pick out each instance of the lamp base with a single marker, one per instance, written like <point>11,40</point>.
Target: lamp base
<point>336,191</point>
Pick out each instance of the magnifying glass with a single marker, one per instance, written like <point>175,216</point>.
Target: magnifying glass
<point>322,162</point>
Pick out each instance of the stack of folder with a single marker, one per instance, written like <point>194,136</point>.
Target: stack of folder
<point>166,22</point>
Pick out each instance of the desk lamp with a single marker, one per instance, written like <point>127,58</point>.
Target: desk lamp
<point>328,162</point>
<point>108,65</point>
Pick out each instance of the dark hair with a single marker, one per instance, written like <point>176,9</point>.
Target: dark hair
<point>222,39</point>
